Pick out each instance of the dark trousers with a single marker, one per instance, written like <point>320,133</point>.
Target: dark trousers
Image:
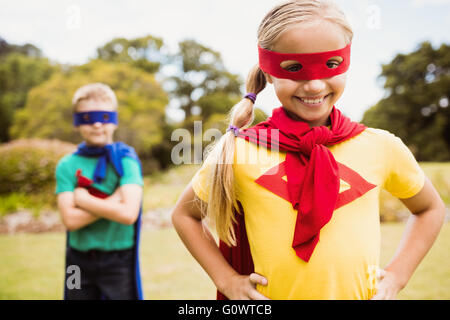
<point>102,275</point>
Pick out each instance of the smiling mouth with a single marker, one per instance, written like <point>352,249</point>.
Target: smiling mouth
<point>313,100</point>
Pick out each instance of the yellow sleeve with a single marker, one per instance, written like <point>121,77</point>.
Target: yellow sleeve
<point>404,177</point>
<point>201,182</point>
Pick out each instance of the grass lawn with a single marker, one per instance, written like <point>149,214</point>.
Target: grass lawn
<point>31,267</point>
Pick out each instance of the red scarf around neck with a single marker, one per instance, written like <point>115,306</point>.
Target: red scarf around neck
<point>312,172</point>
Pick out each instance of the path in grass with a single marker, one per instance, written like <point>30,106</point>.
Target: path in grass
<point>31,267</point>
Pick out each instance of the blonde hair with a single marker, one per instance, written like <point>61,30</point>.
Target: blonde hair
<point>94,91</point>
<point>222,203</point>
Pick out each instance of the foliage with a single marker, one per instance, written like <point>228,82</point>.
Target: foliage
<point>35,202</point>
<point>21,68</point>
<point>27,49</point>
<point>416,107</point>
<point>143,53</point>
<point>48,112</point>
<point>12,202</point>
<point>28,166</point>
<point>220,121</point>
<point>259,116</point>
<point>202,86</point>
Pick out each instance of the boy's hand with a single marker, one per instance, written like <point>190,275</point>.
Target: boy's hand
<point>244,287</point>
<point>388,286</point>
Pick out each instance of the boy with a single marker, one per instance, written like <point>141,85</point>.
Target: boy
<point>99,193</point>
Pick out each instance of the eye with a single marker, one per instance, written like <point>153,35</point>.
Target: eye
<point>291,65</point>
<point>334,62</point>
<point>86,117</point>
<point>105,117</point>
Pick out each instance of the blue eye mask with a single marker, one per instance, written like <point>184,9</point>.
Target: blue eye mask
<point>92,117</point>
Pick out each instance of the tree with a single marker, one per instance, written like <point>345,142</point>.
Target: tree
<point>21,68</point>
<point>144,53</point>
<point>416,106</point>
<point>202,86</point>
<point>27,49</point>
<point>142,102</point>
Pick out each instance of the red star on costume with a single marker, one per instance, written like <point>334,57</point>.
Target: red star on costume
<point>273,180</point>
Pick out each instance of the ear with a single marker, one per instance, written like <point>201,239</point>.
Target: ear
<point>268,77</point>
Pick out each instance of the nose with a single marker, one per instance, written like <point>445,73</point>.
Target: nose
<point>314,86</point>
<point>97,124</point>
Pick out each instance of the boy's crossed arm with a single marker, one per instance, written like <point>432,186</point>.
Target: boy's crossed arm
<point>79,208</point>
<point>73,217</point>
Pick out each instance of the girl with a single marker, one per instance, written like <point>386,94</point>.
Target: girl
<point>303,186</point>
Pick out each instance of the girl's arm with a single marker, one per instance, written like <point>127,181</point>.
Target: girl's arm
<point>421,231</point>
<point>124,211</point>
<point>199,241</point>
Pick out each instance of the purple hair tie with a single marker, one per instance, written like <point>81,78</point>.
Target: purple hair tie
<point>251,96</point>
<point>234,129</point>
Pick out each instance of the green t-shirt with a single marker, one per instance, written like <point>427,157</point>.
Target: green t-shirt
<point>103,234</point>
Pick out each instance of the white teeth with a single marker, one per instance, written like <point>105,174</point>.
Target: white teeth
<point>312,101</point>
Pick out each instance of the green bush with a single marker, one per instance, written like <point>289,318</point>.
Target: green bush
<point>34,203</point>
<point>28,165</point>
<point>12,203</point>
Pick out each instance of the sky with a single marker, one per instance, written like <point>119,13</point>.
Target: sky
<point>69,31</point>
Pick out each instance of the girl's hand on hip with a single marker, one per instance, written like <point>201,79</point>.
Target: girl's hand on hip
<point>244,287</point>
<point>388,286</point>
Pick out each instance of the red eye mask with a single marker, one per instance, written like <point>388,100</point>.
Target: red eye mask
<point>313,65</point>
